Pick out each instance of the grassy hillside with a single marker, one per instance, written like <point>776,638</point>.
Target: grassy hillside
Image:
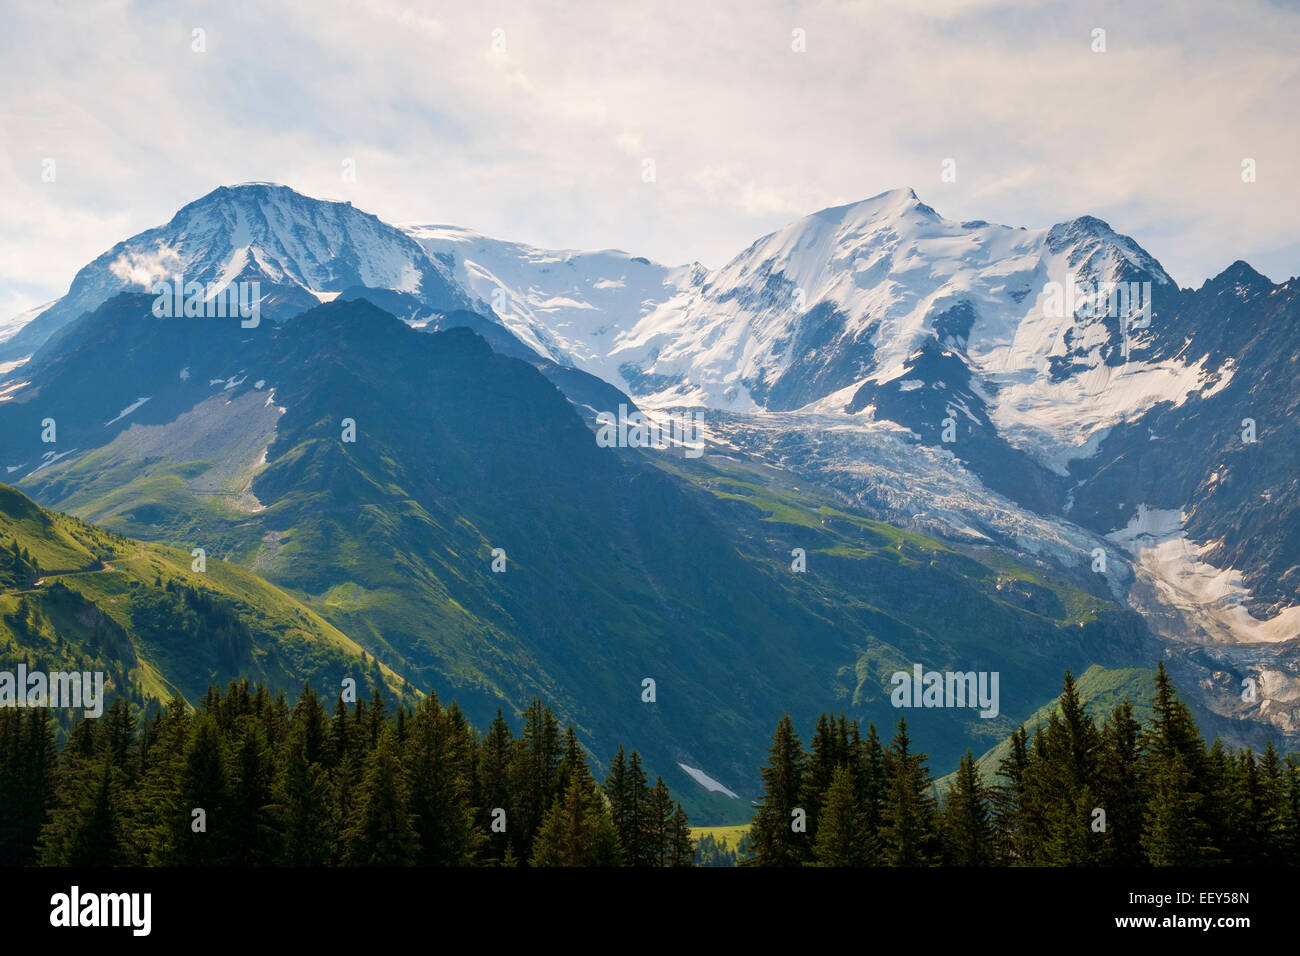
<point>93,600</point>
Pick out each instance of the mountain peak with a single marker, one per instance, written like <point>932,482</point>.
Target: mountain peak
<point>260,191</point>
<point>1240,277</point>
<point>1087,237</point>
<point>891,204</point>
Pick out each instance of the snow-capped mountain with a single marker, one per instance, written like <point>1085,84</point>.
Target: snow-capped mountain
<point>847,300</point>
<point>1042,337</point>
<point>300,250</point>
<point>1081,390</point>
<point>1048,391</point>
<point>570,306</point>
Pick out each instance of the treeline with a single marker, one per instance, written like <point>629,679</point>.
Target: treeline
<point>1074,793</point>
<point>245,780</point>
<point>712,851</point>
<point>18,569</point>
<point>181,617</point>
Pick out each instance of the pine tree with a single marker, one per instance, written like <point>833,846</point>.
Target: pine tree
<point>618,790</point>
<point>535,775</point>
<point>204,785</point>
<point>119,738</point>
<point>374,718</point>
<point>254,841</point>
<point>494,786</point>
<point>908,832</point>
<point>1062,781</point>
<point>577,830</point>
<point>1122,787</point>
<point>1170,836</point>
<point>380,832</point>
<point>869,779</point>
<point>658,830</point>
<point>160,820</point>
<point>681,846</point>
<point>827,754</point>
<point>310,716</point>
<point>1216,786</point>
<point>967,823</point>
<point>1013,818</point>
<point>842,837</point>
<point>1291,811</point>
<point>639,849</point>
<point>301,805</point>
<point>95,838</point>
<point>440,788</point>
<point>27,782</point>
<point>771,835</point>
<point>1272,809</point>
<point>1179,816</point>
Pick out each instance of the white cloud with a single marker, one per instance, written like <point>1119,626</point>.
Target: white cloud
<point>544,143</point>
<point>144,268</point>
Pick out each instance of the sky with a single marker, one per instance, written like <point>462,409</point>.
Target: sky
<point>681,131</point>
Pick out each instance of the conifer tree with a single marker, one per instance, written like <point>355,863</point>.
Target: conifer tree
<point>967,823</point>
<point>639,848</point>
<point>657,834</point>
<point>842,837</point>
<point>204,785</point>
<point>869,781</point>
<point>681,846</point>
<point>120,738</point>
<point>94,835</point>
<point>159,818</point>
<point>1171,834</point>
<point>618,790</point>
<point>1061,782</point>
<point>380,832</point>
<point>772,838</point>
<point>535,774</point>
<point>309,714</point>
<point>1177,830</point>
<point>493,775</point>
<point>1272,809</point>
<point>302,804</point>
<point>1013,820</point>
<point>440,788</point>
<point>27,782</point>
<point>254,841</point>
<point>1291,811</point>
<point>577,830</point>
<point>1122,788</point>
<point>1216,786</point>
<point>827,754</point>
<point>908,832</point>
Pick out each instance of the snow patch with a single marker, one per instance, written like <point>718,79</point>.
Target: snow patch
<point>50,458</point>
<point>707,782</point>
<point>127,411</point>
<point>9,391</point>
<point>1211,601</point>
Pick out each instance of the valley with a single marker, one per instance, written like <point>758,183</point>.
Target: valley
<point>891,393</point>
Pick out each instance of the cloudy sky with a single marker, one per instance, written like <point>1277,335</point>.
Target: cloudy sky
<point>535,120</point>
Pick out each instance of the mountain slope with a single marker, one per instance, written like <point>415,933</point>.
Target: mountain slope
<point>965,380</point>
<point>619,564</point>
<point>571,306</point>
<point>91,600</point>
